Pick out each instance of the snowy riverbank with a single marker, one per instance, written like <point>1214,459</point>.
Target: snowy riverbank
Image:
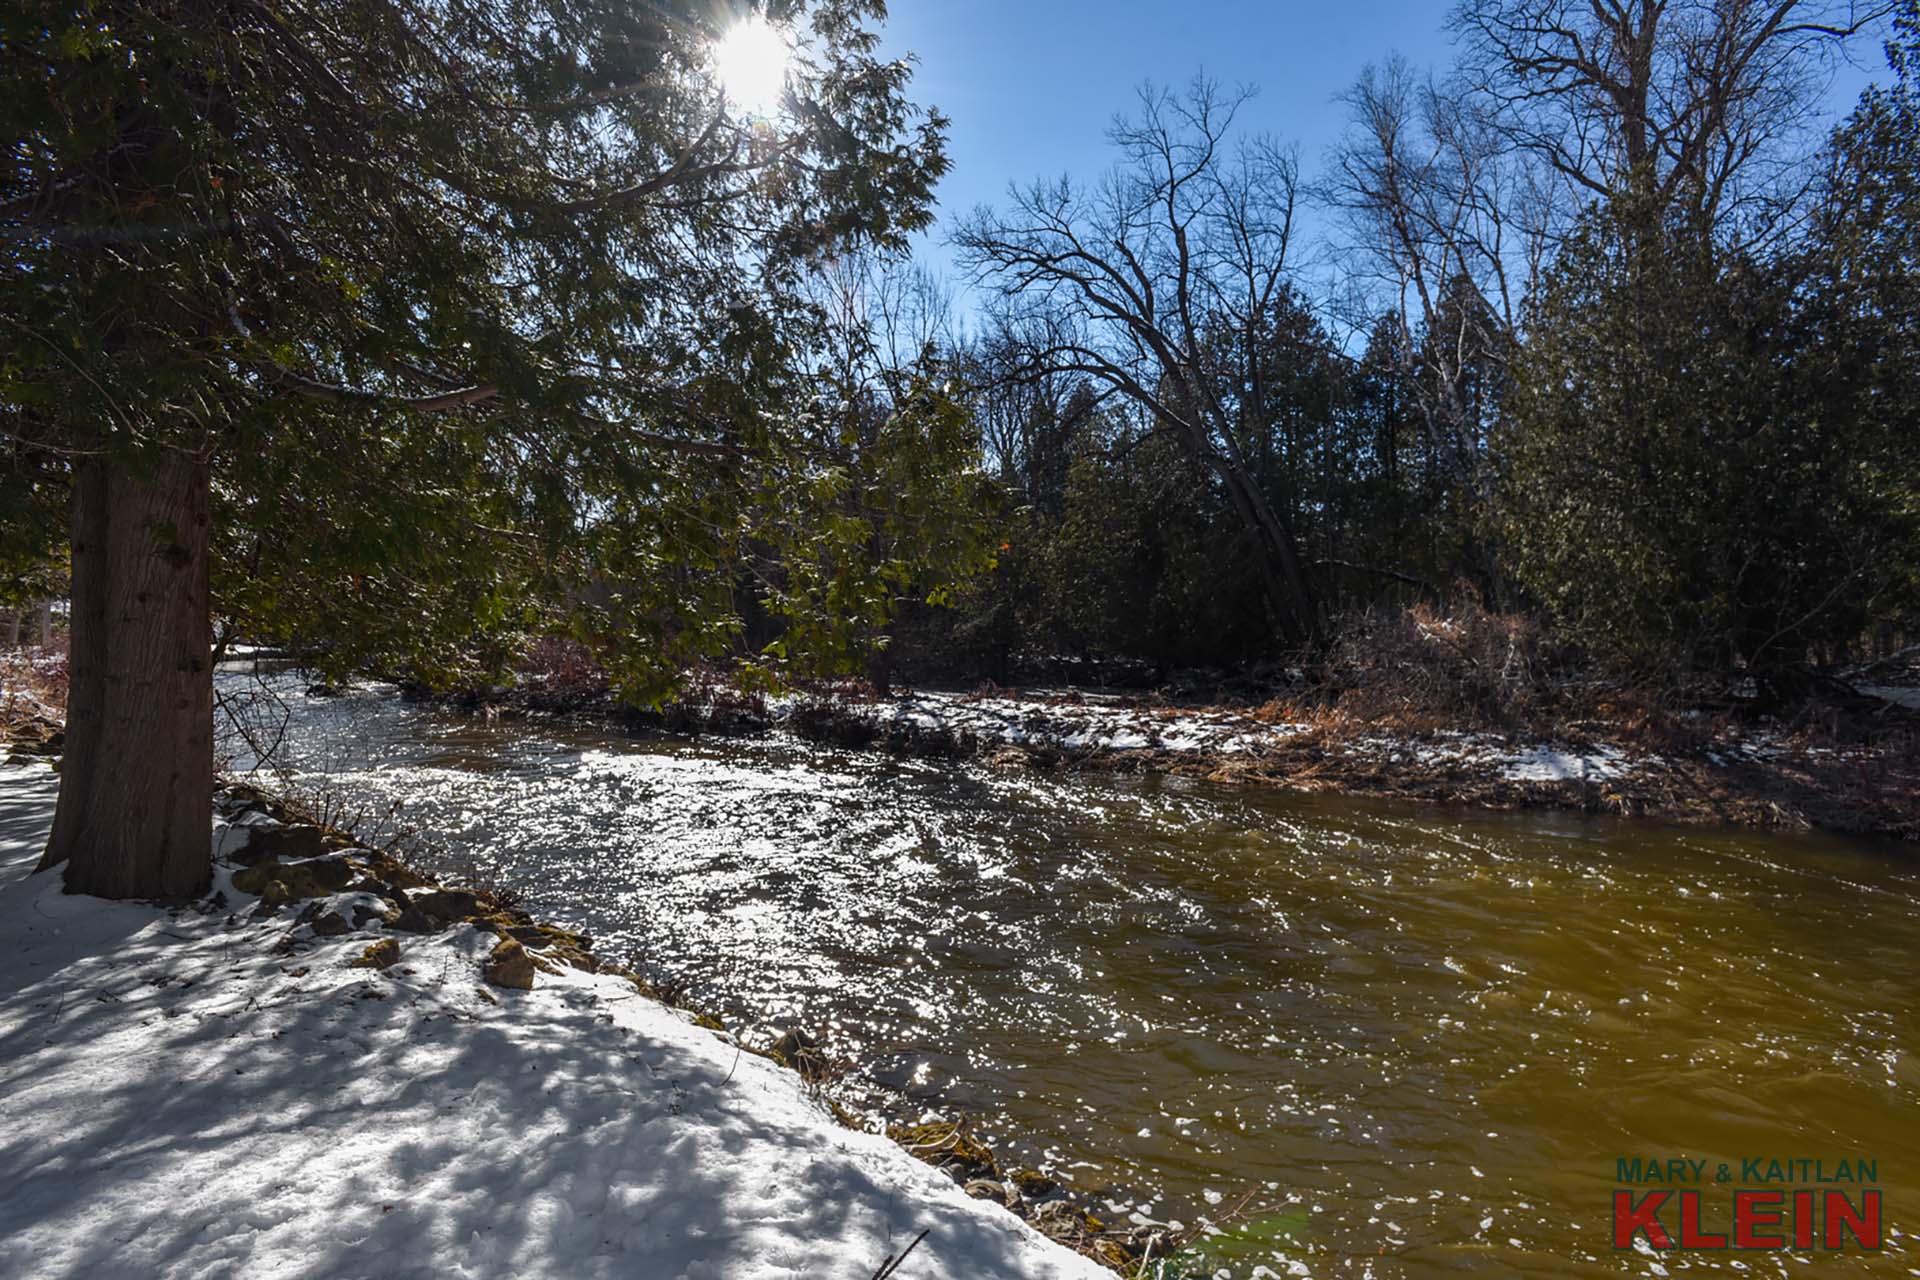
<point>1702,769</point>
<point>1718,774</point>
<point>197,1091</point>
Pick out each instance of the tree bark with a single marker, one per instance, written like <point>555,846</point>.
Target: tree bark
<point>46,624</point>
<point>136,781</point>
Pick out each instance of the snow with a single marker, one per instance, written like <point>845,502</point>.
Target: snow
<point>1900,695</point>
<point>176,1099</point>
<point>1084,725</point>
<point>1549,764</point>
<point>1089,726</point>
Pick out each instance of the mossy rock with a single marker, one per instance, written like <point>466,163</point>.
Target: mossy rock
<point>945,1143</point>
<point>398,874</point>
<point>509,965</point>
<point>551,941</point>
<point>278,883</point>
<point>378,955</point>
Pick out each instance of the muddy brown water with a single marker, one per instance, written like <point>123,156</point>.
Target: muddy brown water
<point>1418,1040</point>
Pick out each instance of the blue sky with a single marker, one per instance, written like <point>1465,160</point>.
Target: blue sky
<point>1031,84</point>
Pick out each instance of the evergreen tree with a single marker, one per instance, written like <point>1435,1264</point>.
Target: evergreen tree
<point>381,324</point>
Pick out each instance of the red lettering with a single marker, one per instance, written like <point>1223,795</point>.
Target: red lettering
<point>1690,1234</point>
<point>1630,1220</point>
<point>1839,1211</point>
<point>1803,1219</point>
<point>1753,1209</point>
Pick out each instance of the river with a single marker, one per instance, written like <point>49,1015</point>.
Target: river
<point>1408,1042</point>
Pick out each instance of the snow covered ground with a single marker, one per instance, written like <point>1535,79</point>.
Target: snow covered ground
<point>178,1099</point>
<point>1900,695</point>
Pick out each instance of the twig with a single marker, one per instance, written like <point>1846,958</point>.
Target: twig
<point>891,1265</point>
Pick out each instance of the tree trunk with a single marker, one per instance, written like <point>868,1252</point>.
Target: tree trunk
<point>13,630</point>
<point>1281,571</point>
<point>136,781</point>
<point>46,624</point>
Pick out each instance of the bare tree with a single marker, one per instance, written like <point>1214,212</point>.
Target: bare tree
<point>883,318</point>
<point>1163,282</point>
<point>1028,411</point>
<point>1692,105</point>
<point>1447,231</point>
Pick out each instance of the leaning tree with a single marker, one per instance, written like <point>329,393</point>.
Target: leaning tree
<point>378,324</point>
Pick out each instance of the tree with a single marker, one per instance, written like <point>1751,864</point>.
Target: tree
<point>1447,235</point>
<point>438,313</point>
<point>1710,460</point>
<point>1712,451</point>
<point>1029,412</point>
<point>1189,239</point>
<point>1691,107</point>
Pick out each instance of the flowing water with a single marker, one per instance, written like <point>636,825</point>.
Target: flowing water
<point>1419,1040</point>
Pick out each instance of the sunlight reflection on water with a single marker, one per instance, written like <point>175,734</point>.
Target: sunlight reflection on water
<point>1427,1035</point>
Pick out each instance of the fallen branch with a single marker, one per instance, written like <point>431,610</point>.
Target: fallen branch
<point>891,1265</point>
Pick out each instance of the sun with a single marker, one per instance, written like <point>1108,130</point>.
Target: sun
<point>750,62</point>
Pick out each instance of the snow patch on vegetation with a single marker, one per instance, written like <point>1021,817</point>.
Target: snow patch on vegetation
<point>1078,724</point>
<point>1083,724</point>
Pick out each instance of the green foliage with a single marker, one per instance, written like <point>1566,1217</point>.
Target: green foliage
<point>1704,461</point>
<point>487,313</point>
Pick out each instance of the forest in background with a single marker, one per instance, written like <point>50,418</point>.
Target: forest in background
<point>1596,365</point>
<point>1608,363</point>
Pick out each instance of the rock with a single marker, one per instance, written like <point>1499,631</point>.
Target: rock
<point>793,1043</point>
<point>331,925</point>
<point>365,914</point>
<point>1153,1241</point>
<point>1032,1183</point>
<point>945,1145</point>
<point>378,955</point>
<point>334,873</point>
<point>448,905</point>
<point>287,843</point>
<point>276,883</point>
<point>413,920</point>
<point>390,869</point>
<point>509,965</point>
<point>985,1189</point>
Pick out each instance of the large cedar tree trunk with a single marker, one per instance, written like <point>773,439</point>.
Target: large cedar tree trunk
<point>136,780</point>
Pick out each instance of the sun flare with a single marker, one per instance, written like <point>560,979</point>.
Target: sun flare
<point>750,61</point>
